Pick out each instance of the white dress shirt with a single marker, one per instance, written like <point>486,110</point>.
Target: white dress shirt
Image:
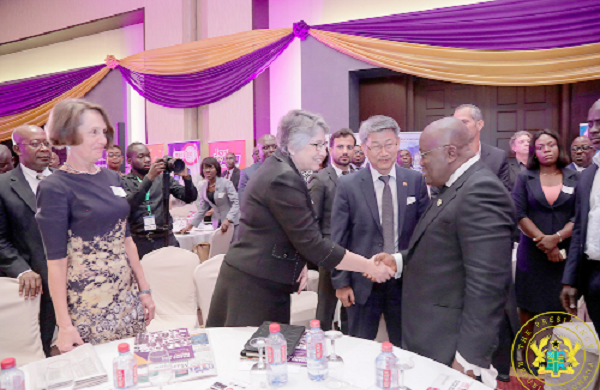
<point>592,242</point>
<point>31,177</point>
<point>338,171</point>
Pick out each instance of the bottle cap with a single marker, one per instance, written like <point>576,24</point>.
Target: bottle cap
<point>386,346</point>
<point>8,363</point>
<point>123,347</point>
<point>274,327</point>
<point>315,324</point>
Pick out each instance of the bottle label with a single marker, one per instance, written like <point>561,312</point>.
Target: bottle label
<point>135,374</point>
<point>387,379</point>
<point>270,355</point>
<point>319,351</point>
<point>121,379</point>
<point>283,353</point>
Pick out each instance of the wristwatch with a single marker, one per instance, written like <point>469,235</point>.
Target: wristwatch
<point>149,292</point>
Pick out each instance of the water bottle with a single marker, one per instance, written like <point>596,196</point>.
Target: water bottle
<point>125,369</point>
<point>276,356</point>
<point>385,368</point>
<point>11,378</point>
<point>316,361</point>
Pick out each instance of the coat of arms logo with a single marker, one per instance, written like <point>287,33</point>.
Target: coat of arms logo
<point>555,357</point>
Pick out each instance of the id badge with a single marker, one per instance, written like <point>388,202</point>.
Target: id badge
<point>149,223</point>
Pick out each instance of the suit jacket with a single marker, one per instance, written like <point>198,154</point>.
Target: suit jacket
<point>576,255</point>
<point>514,166</point>
<point>226,206</point>
<point>21,246</point>
<point>321,187</point>
<point>497,162</point>
<point>235,177</point>
<point>458,269</point>
<point>278,230</point>
<point>355,223</point>
<point>245,175</point>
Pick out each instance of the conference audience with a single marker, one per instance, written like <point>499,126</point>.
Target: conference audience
<point>232,173</point>
<point>519,144</point>
<point>279,234</point>
<point>405,159</point>
<point>494,158</point>
<point>6,160</point>
<point>582,269</point>
<point>94,272</point>
<point>144,187</point>
<point>217,194</point>
<point>321,187</point>
<point>55,161</point>
<point>376,209</point>
<point>266,146</point>
<point>21,248</point>
<point>582,152</point>
<point>114,159</point>
<point>359,158</point>
<point>544,196</point>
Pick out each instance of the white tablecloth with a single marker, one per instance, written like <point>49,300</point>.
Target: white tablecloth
<point>187,241</point>
<point>358,354</point>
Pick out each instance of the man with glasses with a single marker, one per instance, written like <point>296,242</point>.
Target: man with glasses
<point>582,153</point>
<point>267,145</point>
<point>376,210</point>
<point>359,157</point>
<point>114,158</point>
<point>21,249</point>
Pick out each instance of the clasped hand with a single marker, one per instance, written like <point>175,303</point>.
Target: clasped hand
<point>384,266</point>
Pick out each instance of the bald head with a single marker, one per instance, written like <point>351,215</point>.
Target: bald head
<point>582,151</point>
<point>267,144</point>
<point>594,124</point>
<point>6,160</point>
<point>444,146</point>
<point>32,146</point>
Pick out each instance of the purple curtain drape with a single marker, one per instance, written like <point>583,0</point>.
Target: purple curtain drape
<point>493,25</point>
<point>206,86</point>
<point>21,95</point>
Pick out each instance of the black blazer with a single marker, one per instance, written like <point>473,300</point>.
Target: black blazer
<point>235,177</point>
<point>278,229</point>
<point>321,187</point>
<point>458,270</point>
<point>514,166</point>
<point>575,257</point>
<point>21,246</point>
<point>497,162</point>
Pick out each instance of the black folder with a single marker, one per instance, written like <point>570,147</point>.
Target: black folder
<point>292,334</point>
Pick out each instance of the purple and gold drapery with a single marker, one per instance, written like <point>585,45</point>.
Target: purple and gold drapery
<point>501,42</point>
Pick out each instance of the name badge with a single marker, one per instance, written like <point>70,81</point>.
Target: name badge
<point>220,195</point>
<point>149,223</point>
<point>118,191</point>
<point>568,190</point>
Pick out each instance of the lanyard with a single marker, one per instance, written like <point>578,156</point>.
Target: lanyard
<point>147,198</point>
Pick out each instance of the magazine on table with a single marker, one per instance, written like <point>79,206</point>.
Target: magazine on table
<point>190,352</point>
<point>446,382</point>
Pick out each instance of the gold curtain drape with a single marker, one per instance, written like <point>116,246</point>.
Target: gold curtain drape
<point>487,67</point>
<point>39,115</point>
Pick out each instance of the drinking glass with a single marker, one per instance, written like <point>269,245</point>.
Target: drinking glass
<point>160,370</point>
<point>402,365</point>
<point>59,375</point>
<point>335,362</point>
<point>258,372</point>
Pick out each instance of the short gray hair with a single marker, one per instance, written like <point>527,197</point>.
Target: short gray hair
<point>475,111</point>
<point>517,135</point>
<point>375,124</point>
<point>297,127</point>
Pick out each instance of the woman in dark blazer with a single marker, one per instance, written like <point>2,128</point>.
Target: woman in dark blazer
<point>545,202</point>
<point>279,234</point>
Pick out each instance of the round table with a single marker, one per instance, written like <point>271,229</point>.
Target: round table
<point>358,354</point>
<point>196,236</point>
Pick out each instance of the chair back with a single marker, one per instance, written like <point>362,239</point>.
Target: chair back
<point>19,325</point>
<point>205,277</point>
<point>169,272</point>
<point>219,242</point>
<point>303,308</point>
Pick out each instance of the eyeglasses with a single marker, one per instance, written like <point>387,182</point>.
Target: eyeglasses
<point>421,154</point>
<point>378,148</point>
<point>37,144</point>
<point>319,147</point>
<point>113,155</point>
<point>583,148</point>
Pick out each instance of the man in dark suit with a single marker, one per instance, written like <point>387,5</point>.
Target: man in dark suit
<point>6,160</point>
<point>321,187</point>
<point>519,143</point>
<point>582,270</point>
<point>493,157</point>
<point>582,152</point>
<point>267,145</point>
<point>457,268</point>
<point>232,173</point>
<point>359,158</point>
<point>21,249</point>
<point>376,209</point>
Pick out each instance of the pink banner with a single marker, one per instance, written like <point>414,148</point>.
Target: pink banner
<point>220,149</point>
<point>189,152</point>
<point>156,151</point>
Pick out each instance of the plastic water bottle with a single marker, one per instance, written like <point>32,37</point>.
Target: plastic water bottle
<point>11,378</point>
<point>277,356</point>
<point>316,361</point>
<point>125,369</point>
<point>385,368</point>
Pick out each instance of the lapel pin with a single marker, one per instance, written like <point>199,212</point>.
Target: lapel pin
<point>439,202</point>
<point>405,184</point>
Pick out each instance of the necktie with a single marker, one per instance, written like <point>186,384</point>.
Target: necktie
<point>345,172</point>
<point>40,177</point>
<point>387,217</point>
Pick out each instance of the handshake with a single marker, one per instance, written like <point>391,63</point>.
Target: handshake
<point>383,268</point>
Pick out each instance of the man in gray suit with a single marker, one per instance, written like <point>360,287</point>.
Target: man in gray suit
<point>457,267</point>
<point>321,187</point>
<point>267,145</point>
